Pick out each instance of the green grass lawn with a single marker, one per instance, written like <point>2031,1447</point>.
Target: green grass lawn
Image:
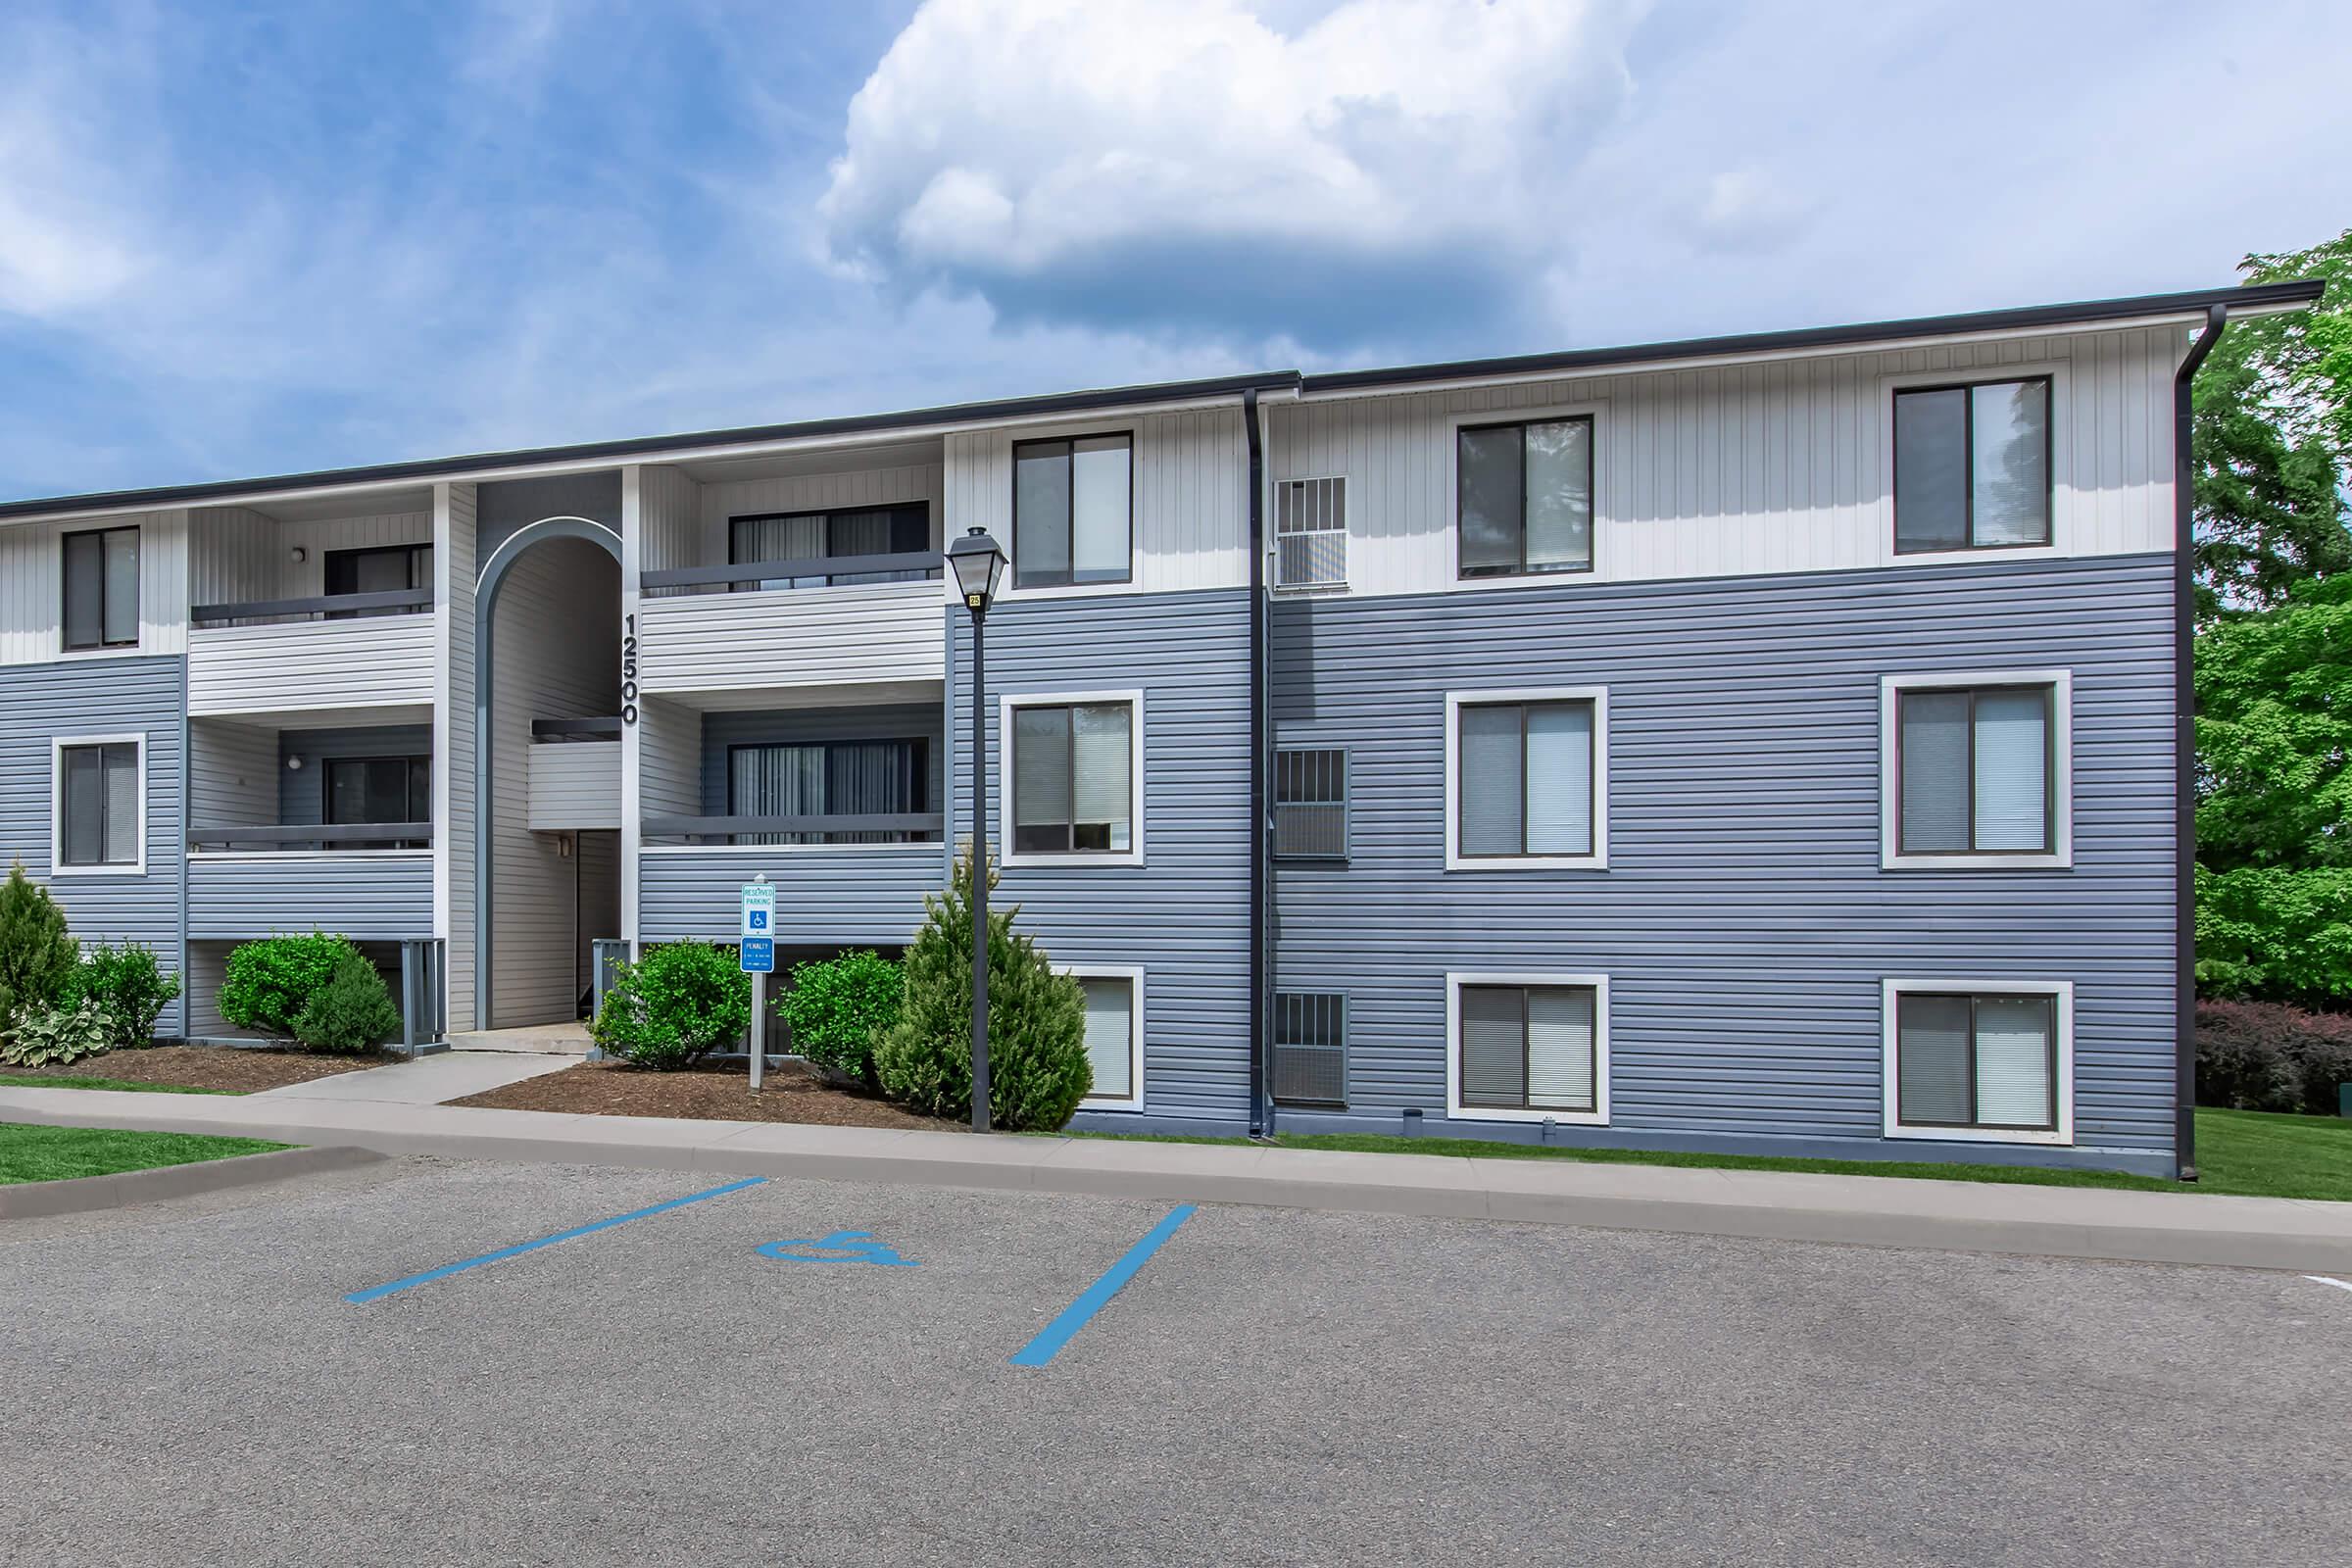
<point>54,1154</point>
<point>2244,1152</point>
<point>27,1080</point>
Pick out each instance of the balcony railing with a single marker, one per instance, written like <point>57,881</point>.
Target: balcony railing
<point>862,827</point>
<point>820,571</point>
<point>282,837</point>
<point>575,729</point>
<point>321,607</point>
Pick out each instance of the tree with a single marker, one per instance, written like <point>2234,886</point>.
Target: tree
<point>2272,428</point>
<point>38,955</point>
<point>1037,1064</point>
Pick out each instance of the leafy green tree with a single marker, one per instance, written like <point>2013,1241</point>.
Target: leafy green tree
<point>2273,429</point>
<point>38,955</point>
<point>1037,1064</point>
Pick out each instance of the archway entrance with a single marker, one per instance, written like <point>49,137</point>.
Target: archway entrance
<point>547,787</point>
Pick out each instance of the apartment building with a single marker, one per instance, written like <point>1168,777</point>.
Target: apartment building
<point>1767,743</point>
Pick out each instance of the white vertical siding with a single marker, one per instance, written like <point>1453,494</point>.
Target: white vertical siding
<point>453,829</point>
<point>557,656</point>
<point>233,555</point>
<point>812,492</point>
<point>669,741</point>
<point>307,578</point>
<point>1765,467</point>
<point>1191,481</point>
<point>668,521</point>
<point>32,587</point>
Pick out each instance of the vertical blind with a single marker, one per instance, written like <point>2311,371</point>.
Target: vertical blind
<point>101,805</point>
<point>898,528</point>
<point>1974,771</point>
<point>1073,783</point>
<point>1110,1035</point>
<point>1525,785</point>
<point>1975,1062</point>
<point>828,778</point>
<point>1528,1048</point>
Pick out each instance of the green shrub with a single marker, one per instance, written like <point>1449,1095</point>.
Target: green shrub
<point>38,955</point>
<point>271,981</point>
<point>351,1014</point>
<point>129,986</point>
<point>674,1005</point>
<point>1037,1065</point>
<point>51,1034</point>
<point>837,1007</point>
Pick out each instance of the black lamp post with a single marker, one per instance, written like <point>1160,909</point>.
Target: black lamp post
<point>978,562</point>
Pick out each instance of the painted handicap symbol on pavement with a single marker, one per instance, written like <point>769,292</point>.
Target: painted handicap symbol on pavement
<point>842,1247</point>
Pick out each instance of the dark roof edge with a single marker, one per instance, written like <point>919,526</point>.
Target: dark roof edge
<point>655,447</point>
<point>2256,296</point>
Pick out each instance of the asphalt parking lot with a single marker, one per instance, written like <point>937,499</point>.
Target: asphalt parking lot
<point>193,1383</point>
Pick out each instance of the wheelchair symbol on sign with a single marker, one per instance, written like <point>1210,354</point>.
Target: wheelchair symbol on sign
<point>758,919</point>
<point>842,1247</point>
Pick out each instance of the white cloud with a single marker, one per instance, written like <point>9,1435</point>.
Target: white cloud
<point>69,234</point>
<point>1391,163</point>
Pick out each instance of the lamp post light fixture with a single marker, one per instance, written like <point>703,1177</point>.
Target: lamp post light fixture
<point>978,562</point>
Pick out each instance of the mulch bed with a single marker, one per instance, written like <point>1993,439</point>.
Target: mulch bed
<point>792,1094</point>
<point>207,1067</point>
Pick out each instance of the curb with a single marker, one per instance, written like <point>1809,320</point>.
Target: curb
<point>86,1195</point>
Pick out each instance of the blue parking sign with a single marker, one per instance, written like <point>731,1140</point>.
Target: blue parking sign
<point>758,954</point>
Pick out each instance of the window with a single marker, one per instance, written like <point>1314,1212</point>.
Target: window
<point>1972,465</point>
<point>1072,511</point>
<point>1310,803</point>
<point>102,589</point>
<point>100,807</point>
<point>1113,1036</point>
<point>1309,1064</point>
<point>380,789</point>
<point>1982,1059</point>
<point>379,569</point>
<point>830,778</point>
<point>1529,1047</point>
<point>1526,774</point>
<point>1978,771</point>
<point>1525,494</point>
<point>901,528</point>
<point>1074,777</point>
<point>1311,533</point>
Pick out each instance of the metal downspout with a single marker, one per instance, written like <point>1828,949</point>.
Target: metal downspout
<point>2185,759</point>
<point>1261,1112</point>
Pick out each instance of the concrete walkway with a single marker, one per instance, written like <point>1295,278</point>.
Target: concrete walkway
<point>1886,1212</point>
<point>555,1039</point>
<point>426,1080</point>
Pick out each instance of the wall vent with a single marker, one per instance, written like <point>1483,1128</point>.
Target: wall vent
<point>1310,535</point>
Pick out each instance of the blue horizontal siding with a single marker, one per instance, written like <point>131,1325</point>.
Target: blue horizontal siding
<point>827,895</point>
<point>106,695</point>
<point>1744,922</point>
<point>366,897</point>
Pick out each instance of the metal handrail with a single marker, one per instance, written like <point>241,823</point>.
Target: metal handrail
<point>685,827</point>
<point>927,562</point>
<point>407,599</point>
<point>382,834</point>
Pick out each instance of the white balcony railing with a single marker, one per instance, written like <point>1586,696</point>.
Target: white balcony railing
<point>839,622</point>
<point>289,665</point>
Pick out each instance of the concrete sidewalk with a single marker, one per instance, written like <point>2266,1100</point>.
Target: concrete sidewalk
<point>426,1080</point>
<point>2306,1236</point>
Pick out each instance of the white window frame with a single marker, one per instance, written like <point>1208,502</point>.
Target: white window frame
<point>2062,460</point>
<point>1598,983</point>
<point>1011,588</point>
<point>1891,1057</point>
<point>1595,409</point>
<point>1598,860</point>
<point>2061,683</point>
<point>1007,704</point>
<point>1133,974</point>
<point>58,745</point>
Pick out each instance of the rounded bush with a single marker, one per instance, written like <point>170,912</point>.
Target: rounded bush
<point>1037,1064</point>
<point>128,986</point>
<point>836,1007</point>
<point>351,1014</point>
<point>2262,1056</point>
<point>270,982</point>
<point>674,1006</point>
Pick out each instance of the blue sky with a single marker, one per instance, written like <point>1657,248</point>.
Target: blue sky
<point>243,239</point>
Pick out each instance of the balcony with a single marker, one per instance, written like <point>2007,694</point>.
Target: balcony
<point>332,652</point>
<point>372,882</point>
<point>576,776</point>
<point>862,621</point>
<point>840,879</point>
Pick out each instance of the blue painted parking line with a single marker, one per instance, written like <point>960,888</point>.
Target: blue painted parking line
<point>378,1292</point>
<point>1056,1334</point>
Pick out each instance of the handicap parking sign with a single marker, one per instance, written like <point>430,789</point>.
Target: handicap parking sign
<point>757,933</point>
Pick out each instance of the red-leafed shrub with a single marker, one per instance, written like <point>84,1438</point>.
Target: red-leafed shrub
<point>2261,1056</point>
